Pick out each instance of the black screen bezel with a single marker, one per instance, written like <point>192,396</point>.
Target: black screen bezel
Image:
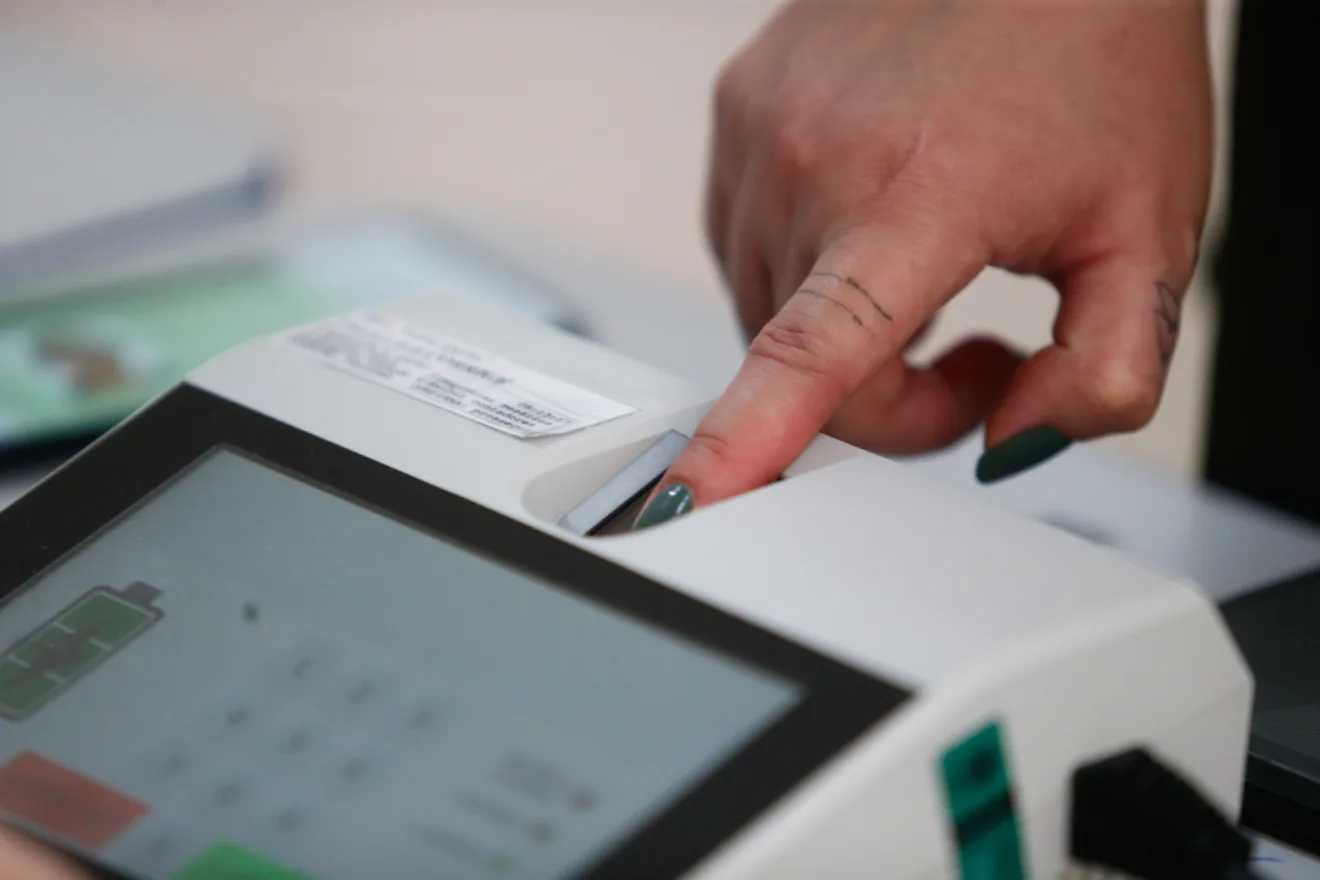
<point>131,463</point>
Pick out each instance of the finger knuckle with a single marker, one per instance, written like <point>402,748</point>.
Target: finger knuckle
<point>927,170</point>
<point>790,343</point>
<point>733,91</point>
<point>797,138</point>
<point>1127,397</point>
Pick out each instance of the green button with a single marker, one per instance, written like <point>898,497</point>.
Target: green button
<point>978,790</point>
<point>975,773</point>
<point>225,861</point>
<point>995,856</point>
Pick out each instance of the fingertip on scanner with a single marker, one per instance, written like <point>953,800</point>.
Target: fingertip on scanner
<point>669,503</point>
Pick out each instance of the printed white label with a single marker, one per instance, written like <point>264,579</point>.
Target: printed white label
<point>454,376</point>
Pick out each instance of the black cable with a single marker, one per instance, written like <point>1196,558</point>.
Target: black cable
<point>1133,814</point>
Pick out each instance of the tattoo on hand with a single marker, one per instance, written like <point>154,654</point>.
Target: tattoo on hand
<point>1168,319</point>
<point>856,318</point>
<point>852,282</point>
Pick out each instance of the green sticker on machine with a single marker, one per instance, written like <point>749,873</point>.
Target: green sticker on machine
<point>225,861</point>
<point>978,791</point>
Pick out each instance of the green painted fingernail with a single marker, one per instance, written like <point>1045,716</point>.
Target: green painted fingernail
<point>674,500</point>
<point>1020,452</point>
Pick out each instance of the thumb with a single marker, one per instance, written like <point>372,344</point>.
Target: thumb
<point>868,293</point>
<point>23,859</point>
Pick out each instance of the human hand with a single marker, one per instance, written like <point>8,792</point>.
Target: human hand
<point>22,859</point>
<point>871,158</point>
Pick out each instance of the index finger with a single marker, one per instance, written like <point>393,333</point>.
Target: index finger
<point>865,296</point>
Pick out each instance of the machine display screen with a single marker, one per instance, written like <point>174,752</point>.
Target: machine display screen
<point>230,648</point>
<point>274,667</point>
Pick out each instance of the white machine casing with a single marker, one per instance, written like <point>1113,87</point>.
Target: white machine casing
<point>981,613</point>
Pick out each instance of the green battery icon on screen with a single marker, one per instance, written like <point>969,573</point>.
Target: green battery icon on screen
<point>65,649</point>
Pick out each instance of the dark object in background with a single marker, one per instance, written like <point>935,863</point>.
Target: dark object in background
<point>1262,433</point>
<point>1261,439</point>
<point>1278,631</point>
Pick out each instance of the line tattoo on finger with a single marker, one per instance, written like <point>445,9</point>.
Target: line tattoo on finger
<point>853,283</point>
<point>1168,320</point>
<point>856,318</point>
